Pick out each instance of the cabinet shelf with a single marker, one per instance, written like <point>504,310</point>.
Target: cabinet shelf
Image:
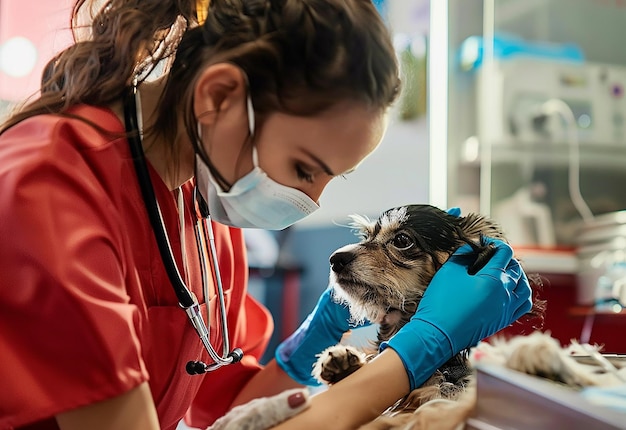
<point>606,156</point>
<point>585,311</point>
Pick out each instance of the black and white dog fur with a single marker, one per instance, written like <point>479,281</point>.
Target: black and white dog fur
<point>383,277</point>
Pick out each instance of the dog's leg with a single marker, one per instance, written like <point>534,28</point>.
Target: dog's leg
<point>337,362</point>
<point>537,354</point>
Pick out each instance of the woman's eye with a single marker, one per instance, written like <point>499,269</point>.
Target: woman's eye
<point>402,241</point>
<point>303,174</point>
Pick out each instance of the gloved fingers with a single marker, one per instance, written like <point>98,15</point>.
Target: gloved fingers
<point>500,261</point>
<point>518,282</point>
<point>514,269</point>
<point>264,413</point>
<point>523,297</point>
<point>456,211</point>
<point>512,275</point>
<point>503,252</point>
<point>456,266</point>
<point>524,307</point>
<point>462,251</point>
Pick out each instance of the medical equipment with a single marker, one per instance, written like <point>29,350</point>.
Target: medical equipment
<point>601,253</point>
<point>526,221</point>
<point>204,236</point>
<point>593,91</point>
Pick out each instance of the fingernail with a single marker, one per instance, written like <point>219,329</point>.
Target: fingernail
<point>295,400</point>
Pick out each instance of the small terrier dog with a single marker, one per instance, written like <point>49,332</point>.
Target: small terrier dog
<point>383,277</point>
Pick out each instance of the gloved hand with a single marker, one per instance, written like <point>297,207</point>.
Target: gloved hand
<point>264,413</point>
<point>324,327</point>
<point>458,310</point>
<point>456,211</point>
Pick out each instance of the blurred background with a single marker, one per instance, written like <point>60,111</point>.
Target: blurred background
<point>513,108</point>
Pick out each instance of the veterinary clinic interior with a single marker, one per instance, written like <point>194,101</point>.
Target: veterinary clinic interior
<point>514,109</point>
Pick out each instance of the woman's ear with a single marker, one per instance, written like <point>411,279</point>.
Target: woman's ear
<point>220,88</point>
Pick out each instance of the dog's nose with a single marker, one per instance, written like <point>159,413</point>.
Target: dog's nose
<point>339,260</point>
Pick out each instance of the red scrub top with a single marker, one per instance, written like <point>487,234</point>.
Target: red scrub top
<point>86,308</point>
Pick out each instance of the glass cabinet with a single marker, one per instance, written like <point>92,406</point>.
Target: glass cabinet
<point>535,113</point>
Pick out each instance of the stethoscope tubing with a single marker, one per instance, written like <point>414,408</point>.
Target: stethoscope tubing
<point>201,240</point>
<point>183,295</point>
<point>185,298</point>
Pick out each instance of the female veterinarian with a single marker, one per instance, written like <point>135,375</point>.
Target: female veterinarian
<point>146,126</point>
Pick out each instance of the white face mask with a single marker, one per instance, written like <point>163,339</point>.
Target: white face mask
<point>254,201</point>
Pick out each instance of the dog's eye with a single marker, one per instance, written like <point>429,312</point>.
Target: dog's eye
<point>402,241</point>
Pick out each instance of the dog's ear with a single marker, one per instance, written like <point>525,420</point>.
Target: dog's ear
<point>472,229</point>
<point>475,225</point>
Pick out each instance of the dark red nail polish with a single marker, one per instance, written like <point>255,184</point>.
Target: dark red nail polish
<point>295,400</point>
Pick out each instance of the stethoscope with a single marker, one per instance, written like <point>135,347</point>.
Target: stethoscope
<point>204,240</point>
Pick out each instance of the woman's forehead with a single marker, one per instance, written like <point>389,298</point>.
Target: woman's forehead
<point>346,130</point>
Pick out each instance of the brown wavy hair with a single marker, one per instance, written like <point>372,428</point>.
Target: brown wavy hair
<point>300,56</point>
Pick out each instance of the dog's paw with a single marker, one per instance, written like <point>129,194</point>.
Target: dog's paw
<point>337,362</point>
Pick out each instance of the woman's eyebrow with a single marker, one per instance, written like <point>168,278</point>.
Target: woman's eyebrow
<point>320,163</point>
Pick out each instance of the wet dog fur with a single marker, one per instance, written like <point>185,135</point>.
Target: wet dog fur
<point>382,278</point>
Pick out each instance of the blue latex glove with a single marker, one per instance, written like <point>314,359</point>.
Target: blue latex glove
<point>456,211</point>
<point>458,310</point>
<point>324,327</point>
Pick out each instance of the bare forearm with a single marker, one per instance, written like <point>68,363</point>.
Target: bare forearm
<point>357,399</point>
<point>271,380</point>
<point>132,410</point>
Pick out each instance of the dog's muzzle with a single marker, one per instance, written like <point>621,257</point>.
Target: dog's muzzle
<point>339,260</point>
